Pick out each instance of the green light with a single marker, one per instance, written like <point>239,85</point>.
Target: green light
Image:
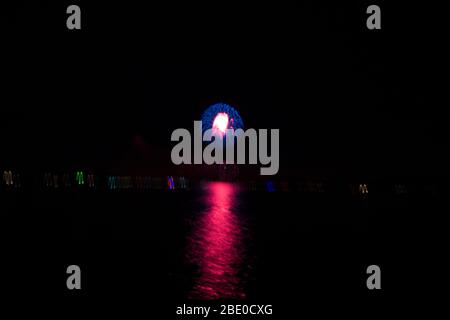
<point>80,177</point>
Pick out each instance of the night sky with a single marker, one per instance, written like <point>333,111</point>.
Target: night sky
<point>346,100</point>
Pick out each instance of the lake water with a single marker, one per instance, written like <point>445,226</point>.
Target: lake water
<point>218,241</point>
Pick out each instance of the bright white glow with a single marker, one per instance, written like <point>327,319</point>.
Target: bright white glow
<point>220,122</point>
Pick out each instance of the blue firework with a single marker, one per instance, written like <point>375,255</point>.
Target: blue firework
<point>210,114</point>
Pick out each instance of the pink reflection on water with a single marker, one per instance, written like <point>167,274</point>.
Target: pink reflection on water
<point>216,245</point>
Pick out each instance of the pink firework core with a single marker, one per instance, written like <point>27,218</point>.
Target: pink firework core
<point>220,122</point>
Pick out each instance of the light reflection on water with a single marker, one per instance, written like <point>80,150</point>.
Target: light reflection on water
<point>216,245</point>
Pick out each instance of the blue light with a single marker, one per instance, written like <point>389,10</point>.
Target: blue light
<point>235,120</point>
<point>170,183</point>
<point>270,186</point>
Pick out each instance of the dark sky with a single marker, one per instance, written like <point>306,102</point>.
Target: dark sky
<point>345,99</point>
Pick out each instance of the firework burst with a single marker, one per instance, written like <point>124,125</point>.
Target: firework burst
<point>220,117</point>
